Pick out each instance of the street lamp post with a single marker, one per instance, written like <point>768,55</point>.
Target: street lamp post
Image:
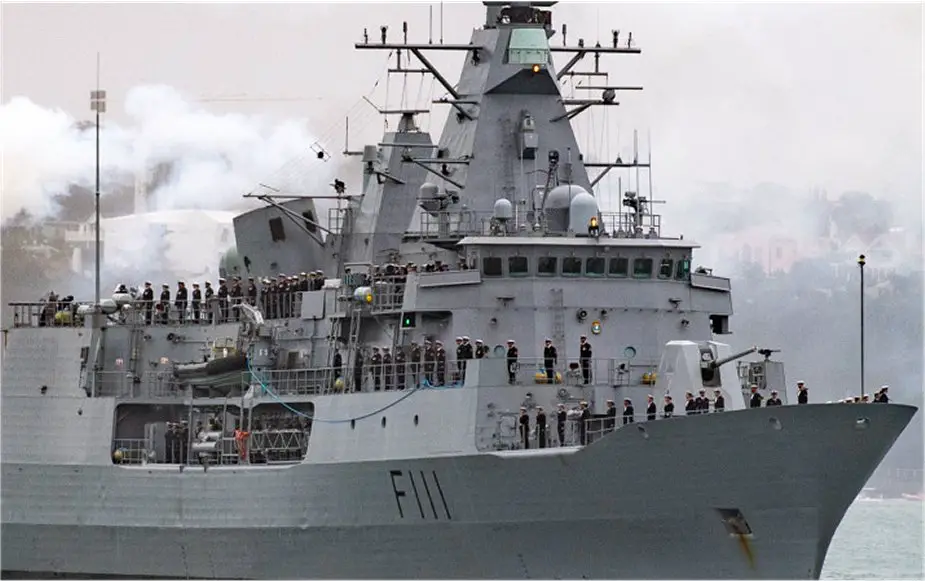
<point>861,262</point>
<point>97,104</point>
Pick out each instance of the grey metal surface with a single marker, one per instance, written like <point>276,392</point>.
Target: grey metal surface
<point>433,481</point>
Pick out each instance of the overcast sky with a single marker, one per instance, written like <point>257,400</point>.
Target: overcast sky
<point>821,95</point>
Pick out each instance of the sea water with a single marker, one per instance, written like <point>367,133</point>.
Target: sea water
<point>880,539</point>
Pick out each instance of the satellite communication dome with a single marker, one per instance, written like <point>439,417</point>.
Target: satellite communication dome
<point>558,203</point>
<point>428,191</point>
<point>583,207</point>
<point>504,210</point>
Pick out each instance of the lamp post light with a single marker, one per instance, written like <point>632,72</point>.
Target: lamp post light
<point>97,104</point>
<point>862,260</point>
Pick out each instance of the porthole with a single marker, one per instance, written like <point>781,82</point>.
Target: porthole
<point>415,419</point>
<point>383,421</point>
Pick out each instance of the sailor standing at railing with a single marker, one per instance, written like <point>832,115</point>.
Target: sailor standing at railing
<point>550,358</point>
<point>147,301</point>
<point>209,303</point>
<point>440,354</point>
<point>164,305</point>
<point>430,359</point>
<point>375,363</point>
<point>561,418</point>
<point>222,300</point>
<point>585,354</point>
<point>181,301</point>
<point>701,403</point>
<point>719,402</point>
<point>236,295</point>
<point>251,292</point>
<point>650,408</point>
<point>511,362</point>
<point>196,303</point>
<point>540,427</point>
<point>803,393</point>
<point>583,423</point>
<point>668,408</point>
<point>358,371</point>
<point>416,358</point>
<point>610,416</point>
<point>481,349</point>
<point>387,367</point>
<point>524,428</point>
<point>400,367</point>
<point>628,411</point>
<point>690,404</point>
<point>755,401</point>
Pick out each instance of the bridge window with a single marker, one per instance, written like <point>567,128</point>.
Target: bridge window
<point>642,268</point>
<point>619,267</point>
<point>277,233</point>
<point>518,266</point>
<point>683,270</point>
<point>594,266</point>
<point>491,266</point>
<point>547,266</point>
<point>571,266</point>
<point>664,269</point>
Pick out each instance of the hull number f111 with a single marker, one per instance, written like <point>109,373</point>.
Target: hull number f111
<point>419,493</point>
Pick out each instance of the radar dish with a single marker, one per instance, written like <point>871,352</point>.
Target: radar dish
<point>581,210</point>
<point>504,210</point>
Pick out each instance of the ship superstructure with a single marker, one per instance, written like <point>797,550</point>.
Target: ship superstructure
<point>447,394</point>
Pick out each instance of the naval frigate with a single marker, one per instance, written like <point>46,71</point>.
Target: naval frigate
<point>321,430</point>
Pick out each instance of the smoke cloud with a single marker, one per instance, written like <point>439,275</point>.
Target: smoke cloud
<point>214,158</point>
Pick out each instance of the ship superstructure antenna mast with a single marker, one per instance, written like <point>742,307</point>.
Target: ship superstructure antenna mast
<point>97,104</point>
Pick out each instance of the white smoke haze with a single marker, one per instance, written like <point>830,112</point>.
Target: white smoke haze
<point>216,158</point>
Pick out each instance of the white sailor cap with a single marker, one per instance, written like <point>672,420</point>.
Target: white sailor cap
<point>548,340</point>
<point>465,337</point>
<point>773,392</point>
<point>478,341</point>
<point>459,338</point>
<point>609,401</point>
<point>650,396</point>
<point>801,382</point>
<point>510,340</point>
<point>523,409</point>
<point>626,399</point>
<point>884,387</point>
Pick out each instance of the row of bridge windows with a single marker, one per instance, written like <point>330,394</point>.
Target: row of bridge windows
<point>594,266</point>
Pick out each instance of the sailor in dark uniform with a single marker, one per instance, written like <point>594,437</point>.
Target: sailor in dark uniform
<point>222,300</point>
<point>196,303</point>
<point>467,354</point>
<point>773,400</point>
<point>430,359</point>
<point>460,360</point>
<point>181,301</point>
<point>237,296</point>
<point>585,354</point>
<point>147,301</point>
<point>358,371</point>
<point>251,292</point>
<point>540,427</point>
<point>550,357</point>
<point>610,419</point>
<point>702,405</point>
<point>628,411</point>
<point>668,408</point>
<point>690,406</point>
<point>375,362</point>
<point>481,349</point>
<point>884,396</point>
<point>511,362</point>
<point>719,402</point>
<point>400,367</point>
<point>561,418</point>
<point>338,364</point>
<point>583,423</point>
<point>803,393</point>
<point>165,304</point>
<point>755,401</point>
<point>416,357</point>
<point>387,368</point>
<point>170,438</point>
<point>651,410</point>
<point>524,428</point>
<point>440,355</point>
<point>209,303</point>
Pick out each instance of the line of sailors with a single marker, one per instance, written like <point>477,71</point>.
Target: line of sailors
<point>276,298</point>
<point>393,371</point>
<point>880,396</point>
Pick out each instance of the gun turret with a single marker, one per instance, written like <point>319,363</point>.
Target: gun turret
<point>716,364</point>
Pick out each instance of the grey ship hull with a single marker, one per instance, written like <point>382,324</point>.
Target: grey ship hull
<point>640,503</point>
